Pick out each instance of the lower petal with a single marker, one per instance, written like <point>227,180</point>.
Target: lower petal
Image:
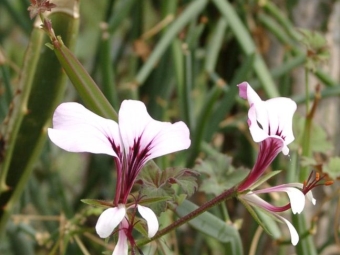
<point>151,219</point>
<point>109,220</point>
<point>122,246</point>
<point>294,237</point>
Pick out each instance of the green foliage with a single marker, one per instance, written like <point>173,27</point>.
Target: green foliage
<point>318,141</point>
<point>332,168</point>
<point>157,184</point>
<point>184,60</point>
<point>316,45</point>
<point>264,219</point>
<point>220,174</point>
<point>211,225</point>
<point>264,178</point>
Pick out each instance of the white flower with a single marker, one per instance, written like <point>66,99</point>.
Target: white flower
<point>271,118</point>
<point>137,139</point>
<point>297,204</point>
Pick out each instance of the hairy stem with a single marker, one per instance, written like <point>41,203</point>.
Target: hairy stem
<point>216,201</point>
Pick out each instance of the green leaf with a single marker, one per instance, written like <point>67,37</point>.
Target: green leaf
<point>264,178</point>
<point>333,168</point>
<point>318,142</point>
<point>96,202</point>
<point>307,161</point>
<point>185,178</point>
<point>212,226</point>
<point>264,219</point>
<point>151,200</point>
<point>157,184</point>
<point>42,85</point>
<point>317,49</point>
<point>221,175</point>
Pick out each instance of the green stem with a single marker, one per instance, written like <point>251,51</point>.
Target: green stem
<point>82,81</point>
<point>307,90</point>
<point>216,201</point>
<point>188,85</point>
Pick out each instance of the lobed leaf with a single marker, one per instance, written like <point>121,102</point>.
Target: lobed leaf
<point>158,185</point>
<point>221,175</point>
<point>212,226</point>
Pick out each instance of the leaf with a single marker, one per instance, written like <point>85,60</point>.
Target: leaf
<point>212,226</point>
<point>157,184</point>
<point>264,219</point>
<point>317,49</point>
<point>96,202</point>
<point>185,178</point>
<point>333,168</point>
<point>221,175</point>
<point>264,178</point>
<point>318,139</point>
<point>307,161</point>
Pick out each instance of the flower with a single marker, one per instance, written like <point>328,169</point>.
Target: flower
<point>39,6</point>
<point>137,139</point>
<point>297,203</point>
<point>270,124</point>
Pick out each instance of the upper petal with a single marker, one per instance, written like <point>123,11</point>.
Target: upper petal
<point>151,219</point>
<point>258,133</point>
<point>77,129</point>
<point>296,197</point>
<point>309,194</point>
<point>269,118</point>
<point>109,220</point>
<point>280,112</point>
<point>247,92</point>
<point>137,128</point>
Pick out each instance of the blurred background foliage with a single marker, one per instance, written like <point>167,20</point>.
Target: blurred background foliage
<point>183,59</point>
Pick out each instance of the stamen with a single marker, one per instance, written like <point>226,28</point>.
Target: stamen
<point>328,183</point>
<point>314,181</point>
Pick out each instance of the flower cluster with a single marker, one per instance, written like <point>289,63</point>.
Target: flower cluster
<point>39,6</point>
<point>270,124</point>
<point>138,138</point>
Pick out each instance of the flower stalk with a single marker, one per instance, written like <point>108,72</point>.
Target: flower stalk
<point>232,192</point>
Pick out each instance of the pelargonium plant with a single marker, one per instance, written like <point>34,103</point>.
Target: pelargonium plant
<point>133,142</point>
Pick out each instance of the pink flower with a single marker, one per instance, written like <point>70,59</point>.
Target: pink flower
<point>270,124</point>
<point>137,139</point>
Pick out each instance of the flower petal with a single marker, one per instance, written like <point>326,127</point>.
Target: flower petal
<point>294,236</point>
<point>122,247</point>
<point>159,138</point>
<point>296,196</point>
<point>77,129</point>
<point>109,220</point>
<point>151,219</point>
<point>247,92</point>
<point>297,200</point>
<point>258,133</point>
<point>280,113</point>
<point>269,118</point>
<point>309,194</point>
